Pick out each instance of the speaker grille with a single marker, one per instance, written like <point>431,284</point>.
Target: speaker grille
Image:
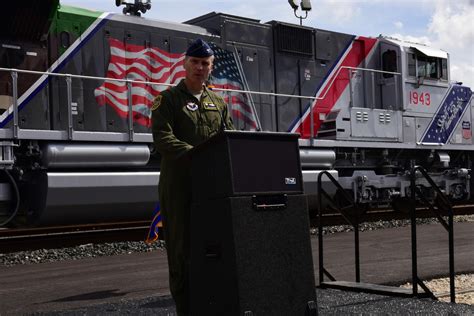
<point>248,260</point>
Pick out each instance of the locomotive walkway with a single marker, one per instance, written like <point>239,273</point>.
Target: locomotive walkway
<point>88,283</point>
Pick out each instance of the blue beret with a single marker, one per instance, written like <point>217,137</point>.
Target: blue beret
<point>199,48</point>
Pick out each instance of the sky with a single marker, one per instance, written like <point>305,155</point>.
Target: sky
<point>444,24</point>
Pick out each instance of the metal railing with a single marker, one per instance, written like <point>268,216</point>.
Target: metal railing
<point>442,203</point>
<point>353,71</point>
<point>129,82</point>
<point>352,215</point>
<point>68,77</point>
<point>352,219</point>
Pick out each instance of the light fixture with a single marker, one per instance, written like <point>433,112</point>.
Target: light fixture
<point>305,5</point>
<point>134,7</point>
<point>293,4</point>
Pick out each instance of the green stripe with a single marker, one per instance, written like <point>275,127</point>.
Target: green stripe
<point>82,13</point>
<point>73,20</point>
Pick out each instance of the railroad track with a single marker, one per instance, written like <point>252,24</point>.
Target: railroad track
<point>332,218</point>
<point>20,239</point>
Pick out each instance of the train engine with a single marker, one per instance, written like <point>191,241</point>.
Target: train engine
<point>77,85</point>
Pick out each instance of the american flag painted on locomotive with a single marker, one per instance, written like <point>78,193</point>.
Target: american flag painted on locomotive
<point>140,63</point>
<point>226,75</point>
<point>335,84</point>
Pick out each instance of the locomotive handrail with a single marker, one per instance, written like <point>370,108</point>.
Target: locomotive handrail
<point>147,82</point>
<point>14,73</point>
<point>171,85</point>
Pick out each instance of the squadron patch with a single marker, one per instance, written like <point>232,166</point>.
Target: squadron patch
<point>156,102</point>
<point>192,106</point>
<point>210,106</point>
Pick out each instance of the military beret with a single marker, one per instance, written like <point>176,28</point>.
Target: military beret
<point>199,48</point>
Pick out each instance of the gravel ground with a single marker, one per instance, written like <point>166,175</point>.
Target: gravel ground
<point>110,249</point>
<point>76,253</point>
<point>388,224</point>
<point>462,282</point>
<point>330,302</point>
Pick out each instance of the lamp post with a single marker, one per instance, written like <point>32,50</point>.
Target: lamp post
<point>305,6</point>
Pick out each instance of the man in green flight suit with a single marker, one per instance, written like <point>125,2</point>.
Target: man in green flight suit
<point>183,117</point>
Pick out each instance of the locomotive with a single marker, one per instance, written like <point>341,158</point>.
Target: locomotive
<point>76,89</point>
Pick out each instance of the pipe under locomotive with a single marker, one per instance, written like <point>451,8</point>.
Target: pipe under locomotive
<point>75,109</point>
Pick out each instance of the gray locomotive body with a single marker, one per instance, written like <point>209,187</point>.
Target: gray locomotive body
<point>76,93</point>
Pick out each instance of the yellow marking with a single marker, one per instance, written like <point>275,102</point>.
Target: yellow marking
<point>156,102</point>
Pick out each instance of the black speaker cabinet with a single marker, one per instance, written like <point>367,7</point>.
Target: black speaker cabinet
<point>236,163</point>
<point>251,256</point>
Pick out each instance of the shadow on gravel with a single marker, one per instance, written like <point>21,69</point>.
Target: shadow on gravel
<point>91,296</point>
<point>368,301</point>
<point>165,302</point>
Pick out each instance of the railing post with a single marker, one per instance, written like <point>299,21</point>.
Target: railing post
<point>414,263</point>
<point>311,113</point>
<point>14,75</point>
<point>130,111</point>
<point>351,89</point>
<point>373,88</point>
<point>356,248</point>
<point>452,289</point>
<point>69,107</point>
<point>320,229</point>
<point>397,105</point>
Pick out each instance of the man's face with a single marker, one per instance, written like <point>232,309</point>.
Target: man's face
<point>198,69</point>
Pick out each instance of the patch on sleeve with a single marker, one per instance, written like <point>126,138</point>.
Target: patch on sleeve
<point>156,102</point>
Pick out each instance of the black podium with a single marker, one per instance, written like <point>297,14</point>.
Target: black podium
<point>250,243</point>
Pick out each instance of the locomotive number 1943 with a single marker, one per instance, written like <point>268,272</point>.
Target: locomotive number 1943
<point>420,98</point>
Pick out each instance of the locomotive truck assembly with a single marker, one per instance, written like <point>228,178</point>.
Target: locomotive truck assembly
<point>76,90</point>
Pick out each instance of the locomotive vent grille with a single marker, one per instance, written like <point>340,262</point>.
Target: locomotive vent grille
<point>384,118</point>
<point>295,40</point>
<point>362,116</point>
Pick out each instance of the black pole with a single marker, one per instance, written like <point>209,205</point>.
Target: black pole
<point>357,254</point>
<point>413,233</point>
<point>451,257</point>
<point>320,230</point>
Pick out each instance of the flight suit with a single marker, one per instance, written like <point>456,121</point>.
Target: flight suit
<point>179,122</point>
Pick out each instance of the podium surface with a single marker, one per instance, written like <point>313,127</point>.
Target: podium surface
<point>250,241</point>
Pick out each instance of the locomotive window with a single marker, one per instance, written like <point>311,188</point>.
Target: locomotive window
<point>65,39</point>
<point>421,67</point>
<point>427,67</point>
<point>411,65</point>
<point>389,62</point>
<point>444,68</point>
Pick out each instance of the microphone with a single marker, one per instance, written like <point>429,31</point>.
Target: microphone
<point>223,124</point>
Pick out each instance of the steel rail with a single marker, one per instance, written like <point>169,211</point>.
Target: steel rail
<point>12,240</point>
<point>213,88</point>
